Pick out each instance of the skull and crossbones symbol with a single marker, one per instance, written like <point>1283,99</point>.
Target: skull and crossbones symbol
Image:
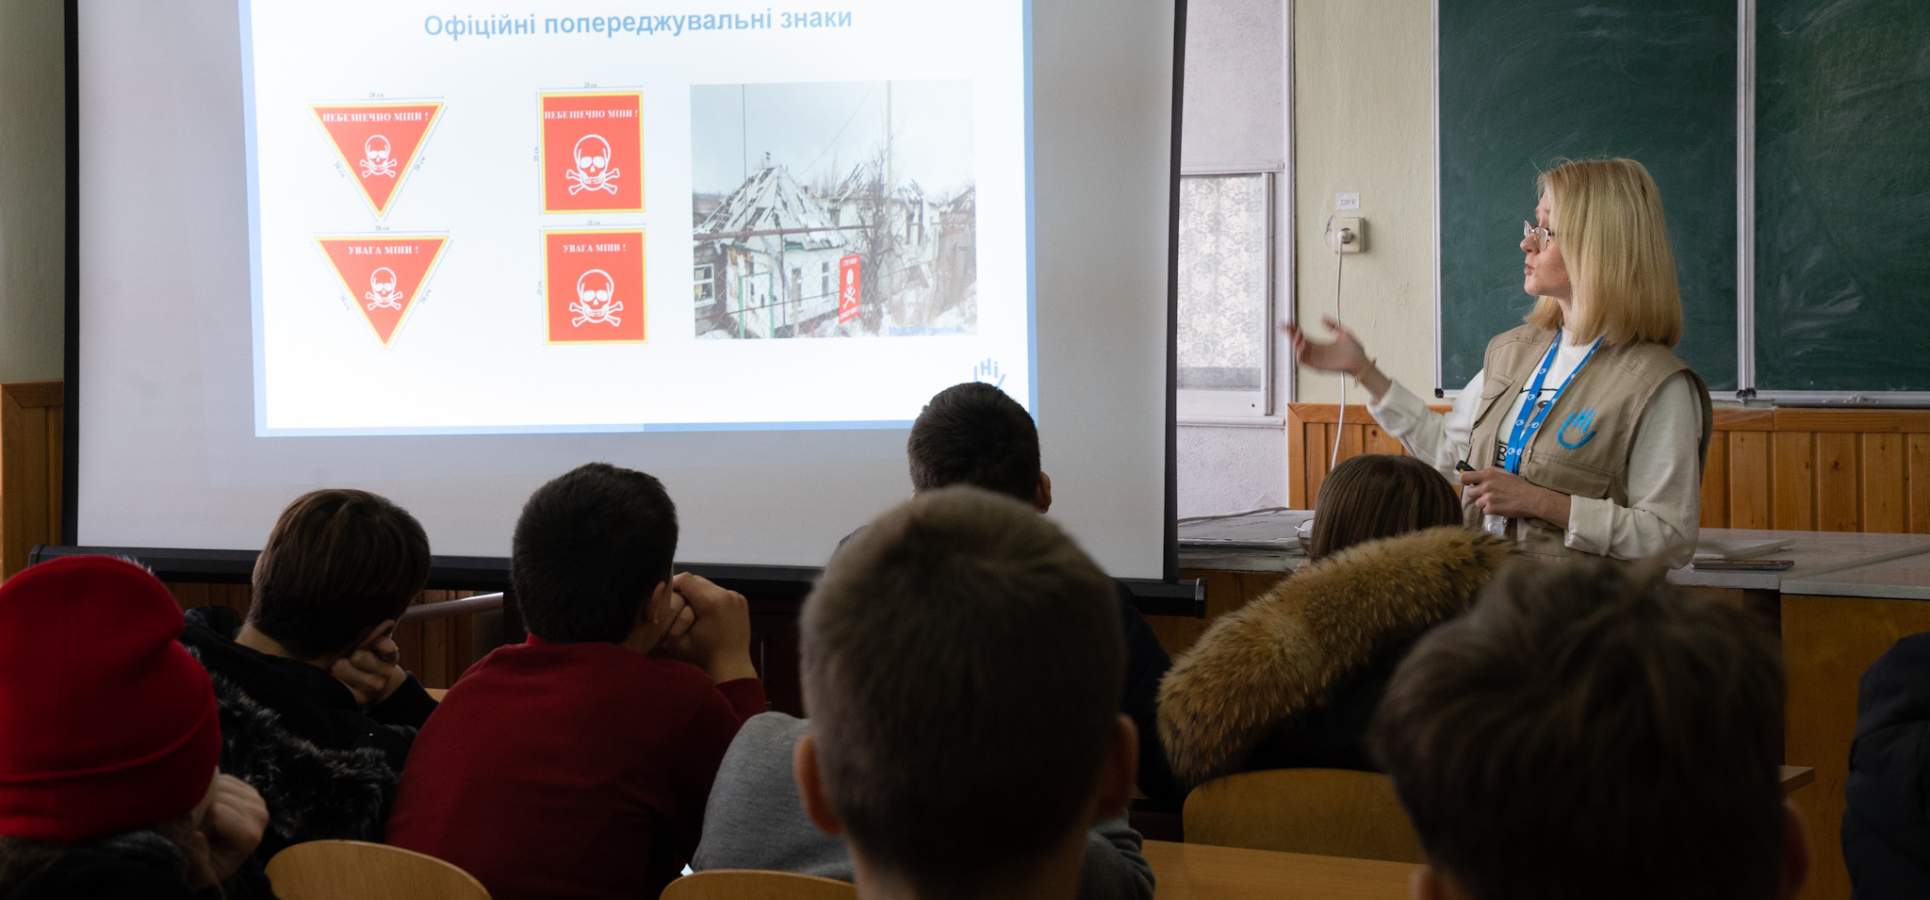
<point>375,157</point>
<point>382,293</point>
<point>595,293</point>
<point>593,171</point>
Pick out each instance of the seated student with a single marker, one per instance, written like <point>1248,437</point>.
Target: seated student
<point>755,819</point>
<point>1589,733</point>
<point>1886,827</point>
<point>1291,679</point>
<point>108,778</point>
<point>315,712</point>
<point>974,434</point>
<point>962,661</point>
<point>577,764</point>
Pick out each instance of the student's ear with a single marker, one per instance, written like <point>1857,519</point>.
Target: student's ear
<point>810,790</point>
<point>1119,772</point>
<point>1796,859</point>
<point>1042,495</point>
<point>653,619</point>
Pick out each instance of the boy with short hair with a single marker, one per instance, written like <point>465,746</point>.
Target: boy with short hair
<point>1587,732</point>
<point>577,764</point>
<point>316,712</point>
<point>961,663</point>
<point>975,434</point>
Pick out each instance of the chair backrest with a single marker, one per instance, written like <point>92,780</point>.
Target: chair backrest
<point>1328,812</point>
<point>341,870</point>
<point>752,884</point>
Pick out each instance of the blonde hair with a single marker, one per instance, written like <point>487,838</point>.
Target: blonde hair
<point>1607,216</point>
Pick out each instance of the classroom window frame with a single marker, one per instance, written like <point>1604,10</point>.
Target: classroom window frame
<point>1205,406</point>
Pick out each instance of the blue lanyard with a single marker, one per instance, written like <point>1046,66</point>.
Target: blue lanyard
<point>1533,411</point>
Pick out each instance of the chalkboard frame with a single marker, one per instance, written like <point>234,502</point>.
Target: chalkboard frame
<point>1746,389</point>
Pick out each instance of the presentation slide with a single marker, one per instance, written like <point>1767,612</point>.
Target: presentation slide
<point>771,218</point>
<point>446,252</point>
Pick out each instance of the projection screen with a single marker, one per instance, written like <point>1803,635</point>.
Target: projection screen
<point>447,257</point>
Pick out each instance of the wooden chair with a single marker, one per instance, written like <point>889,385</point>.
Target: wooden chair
<point>1327,812</point>
<point>356,870</point>
<point>751,884</point>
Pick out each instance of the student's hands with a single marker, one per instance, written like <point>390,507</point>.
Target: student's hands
<point>718,640</point>
<point>233,818</point>
<point>1497,492</point>
<point>373,671</point>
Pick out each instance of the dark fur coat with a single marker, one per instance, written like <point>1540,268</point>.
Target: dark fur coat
<point>1293,677</point>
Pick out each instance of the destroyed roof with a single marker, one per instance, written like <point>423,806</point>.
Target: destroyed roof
<point>772,200</point>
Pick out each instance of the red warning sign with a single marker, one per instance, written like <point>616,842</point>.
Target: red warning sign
<point>594,286</point>
<point>850,274</point>
<point>592,152</point>
<point>384,276</point>
<point>377,143</point>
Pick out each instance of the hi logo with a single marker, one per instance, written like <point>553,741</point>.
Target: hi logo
<point>1578,429</point>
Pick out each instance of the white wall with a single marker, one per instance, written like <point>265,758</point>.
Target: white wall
<point>1234,121</point>
<point>1364,122</point>
<point>33,189</point>
<point>1225,469</point>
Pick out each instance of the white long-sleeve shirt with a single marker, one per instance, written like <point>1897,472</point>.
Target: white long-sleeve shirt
<point>1664,467</point>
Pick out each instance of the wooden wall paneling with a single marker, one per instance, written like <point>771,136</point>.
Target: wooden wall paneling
<point>1748,473</point>
<point>1919,487</point>
<point>56,464</point>
<point>1379,441</point>
<point>1837,490</point>
<point>1715,484</point>
<point>30,449</point>
<point>1854,421</point>
<point>1880,473</point>
<point>1828,643</point>
<point>1318,449</point>
<point>1792,481</point>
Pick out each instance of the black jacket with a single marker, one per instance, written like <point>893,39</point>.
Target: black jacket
<point>136,865</point>
<point>1886,827</point>
<point>326,767</point>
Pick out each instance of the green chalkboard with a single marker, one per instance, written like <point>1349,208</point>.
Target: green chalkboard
<point>1524,84</point>
<point>1842,237</point>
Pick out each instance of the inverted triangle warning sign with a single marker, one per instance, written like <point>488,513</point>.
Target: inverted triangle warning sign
<point>377,143</point>
<point>384,276</point>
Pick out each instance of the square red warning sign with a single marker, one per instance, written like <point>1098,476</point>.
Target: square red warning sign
<point>592,152</point>
<point>594,286</point>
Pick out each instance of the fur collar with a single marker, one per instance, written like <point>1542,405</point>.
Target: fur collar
<point>1280,654</point>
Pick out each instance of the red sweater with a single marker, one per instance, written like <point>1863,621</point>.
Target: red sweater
<point>569,770</point>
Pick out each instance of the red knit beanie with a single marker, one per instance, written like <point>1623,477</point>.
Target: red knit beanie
<point>106,722</point>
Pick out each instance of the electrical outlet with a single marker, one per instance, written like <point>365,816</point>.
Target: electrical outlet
<point>1349,234</point>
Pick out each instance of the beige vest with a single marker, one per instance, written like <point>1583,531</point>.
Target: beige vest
<point>1582,446</point>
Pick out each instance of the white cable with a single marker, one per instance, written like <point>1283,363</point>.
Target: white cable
<point>1340,264</point>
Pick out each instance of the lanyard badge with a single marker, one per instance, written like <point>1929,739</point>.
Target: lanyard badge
<point>1533,412</point>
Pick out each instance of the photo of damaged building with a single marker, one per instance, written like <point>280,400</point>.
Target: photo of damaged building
<point>810,252</point>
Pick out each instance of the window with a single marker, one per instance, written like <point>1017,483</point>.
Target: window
<point>824,278</point>
<point>704,285</point>
<point>1225,294</point>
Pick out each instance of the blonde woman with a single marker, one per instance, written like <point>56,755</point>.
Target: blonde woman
<point>1583,433</point>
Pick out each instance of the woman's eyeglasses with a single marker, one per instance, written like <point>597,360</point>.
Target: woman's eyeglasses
<point>1535,234</point>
